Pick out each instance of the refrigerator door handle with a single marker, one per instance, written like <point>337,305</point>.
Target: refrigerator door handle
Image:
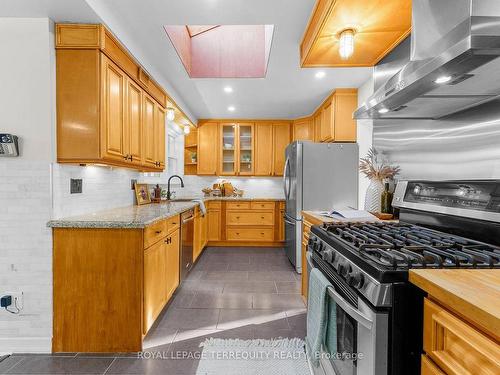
<point>286,178</point>
<point>288,221</point>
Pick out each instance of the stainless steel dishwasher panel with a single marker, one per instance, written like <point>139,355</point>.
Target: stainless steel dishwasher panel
<point>187,236</point>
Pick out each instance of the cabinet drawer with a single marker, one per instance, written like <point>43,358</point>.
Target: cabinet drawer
<point>250,218</point>
<point>457,347</point>
<point>173,223</point>
<point>429,368</point>
<point>155,232</point>
<point>250,234</point>
<point>237,205</point>
<point>262,205</point>
<point>213,205</point>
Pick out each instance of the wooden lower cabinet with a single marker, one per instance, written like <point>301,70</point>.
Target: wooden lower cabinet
<point>109,285</point>
<point>200,233</point>
<point>306,230</point>
<point>429,368</point>
<point>214,221</point>
<point>455,346</point>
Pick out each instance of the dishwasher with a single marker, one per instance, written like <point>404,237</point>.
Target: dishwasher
<point>187,235</point>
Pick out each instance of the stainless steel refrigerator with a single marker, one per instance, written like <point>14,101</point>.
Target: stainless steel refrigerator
<point>317,177</point>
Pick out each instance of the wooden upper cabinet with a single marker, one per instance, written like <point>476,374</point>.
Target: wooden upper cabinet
<point>327,127</point>
<point>346,102</point>
<point>228,151</point>
<point>337,123</point>
<point>113,110</point>
<point>237,149</point>
<point>148,130</point>
<point>263,149</point>
<point>303,129</point>
<point>159,136</point>
<point>317,126</point>
<point>208,148</point>
<point>281,137</point>
<point>245,147</point>
<point>133,123</point>
<point>119,109</point>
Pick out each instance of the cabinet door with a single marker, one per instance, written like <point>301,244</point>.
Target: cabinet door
<point>214,225</point>
<point>303,130</point>
<point>113,110</point>
<point>208,148</point>
<point>327,122</point>
<point>228,156</point>
<point>317,127</point>
<point>263,149</point>
<point>133,123</point>
<point>204,231</point>
<point>148,128</point>
<point>345,126</point>
<point>245,147</point>
<point>155,282</point>
<point>281,140</point>
<point>197,240</point>
<point>172,262</point>
<point>159,138</point>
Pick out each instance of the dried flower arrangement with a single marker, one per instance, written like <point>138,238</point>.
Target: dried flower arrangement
<point>375,168</point>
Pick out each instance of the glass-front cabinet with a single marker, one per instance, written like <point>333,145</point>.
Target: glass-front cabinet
<point>237,156</point>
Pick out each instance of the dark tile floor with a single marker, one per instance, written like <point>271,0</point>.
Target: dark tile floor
<point>240,293</point>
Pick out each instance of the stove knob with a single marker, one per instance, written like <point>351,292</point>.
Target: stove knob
<point>327,255</point>
<point>355,279</point>
<point>344,269</point>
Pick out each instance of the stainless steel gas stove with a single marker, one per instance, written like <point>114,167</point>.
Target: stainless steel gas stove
<point>447,224</point>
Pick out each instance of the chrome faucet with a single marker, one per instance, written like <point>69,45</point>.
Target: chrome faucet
<point>168,185</point>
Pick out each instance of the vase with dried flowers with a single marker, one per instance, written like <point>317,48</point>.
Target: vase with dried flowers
<point>376,168</point>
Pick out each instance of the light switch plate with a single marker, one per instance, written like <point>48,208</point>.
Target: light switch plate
<point>75,186</point>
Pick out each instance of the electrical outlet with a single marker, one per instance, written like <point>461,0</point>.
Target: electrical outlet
<point>75,186</point>
<point>132,183</point>
<point>17,299</point>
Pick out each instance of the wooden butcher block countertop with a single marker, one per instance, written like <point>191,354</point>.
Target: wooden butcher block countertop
<point>472,293</point>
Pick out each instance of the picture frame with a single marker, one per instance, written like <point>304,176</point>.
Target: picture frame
<point>142,194</point>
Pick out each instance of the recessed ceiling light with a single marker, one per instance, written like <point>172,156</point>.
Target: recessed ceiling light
<point>320,74</point>
<point>228,89</point>
<point>383,110</point>
<point>443,79</point>
<point>231,108</point>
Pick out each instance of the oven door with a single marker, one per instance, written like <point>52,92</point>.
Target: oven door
<point>361,333</point>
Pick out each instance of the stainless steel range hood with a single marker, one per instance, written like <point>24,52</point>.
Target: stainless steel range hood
<point>455,40</point>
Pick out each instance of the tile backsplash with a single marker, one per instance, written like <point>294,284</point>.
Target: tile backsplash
<point>102,188</point>
<point>263,187</point>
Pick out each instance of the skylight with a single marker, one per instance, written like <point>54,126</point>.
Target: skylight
<point>222,51</point>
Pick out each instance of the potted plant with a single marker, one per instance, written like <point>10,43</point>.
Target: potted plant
<point>376,168</point>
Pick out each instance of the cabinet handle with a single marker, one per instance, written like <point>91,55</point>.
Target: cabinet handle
<point>237,217</point>
<point>262,233</point>
<point>168,240</point>
<point>158,231</point>
<point>262,217</point>
<point>130,158</point>
<point>125,157</point>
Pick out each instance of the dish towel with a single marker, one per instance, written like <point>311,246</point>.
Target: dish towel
<point>203,209</point>
<point>317,313</point>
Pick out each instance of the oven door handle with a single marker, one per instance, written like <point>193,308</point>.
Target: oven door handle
<point>348,309</point>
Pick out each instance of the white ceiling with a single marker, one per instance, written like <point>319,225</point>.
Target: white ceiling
<point>287,91</point>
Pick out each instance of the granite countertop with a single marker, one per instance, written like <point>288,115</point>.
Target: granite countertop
<point>138,216</point>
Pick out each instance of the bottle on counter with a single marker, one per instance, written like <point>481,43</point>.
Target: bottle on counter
<point>386,200</point>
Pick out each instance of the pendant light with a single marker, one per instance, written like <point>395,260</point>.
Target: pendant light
<point>346,45</point>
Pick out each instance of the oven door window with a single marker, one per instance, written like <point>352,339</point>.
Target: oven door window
<point>341,341</point>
